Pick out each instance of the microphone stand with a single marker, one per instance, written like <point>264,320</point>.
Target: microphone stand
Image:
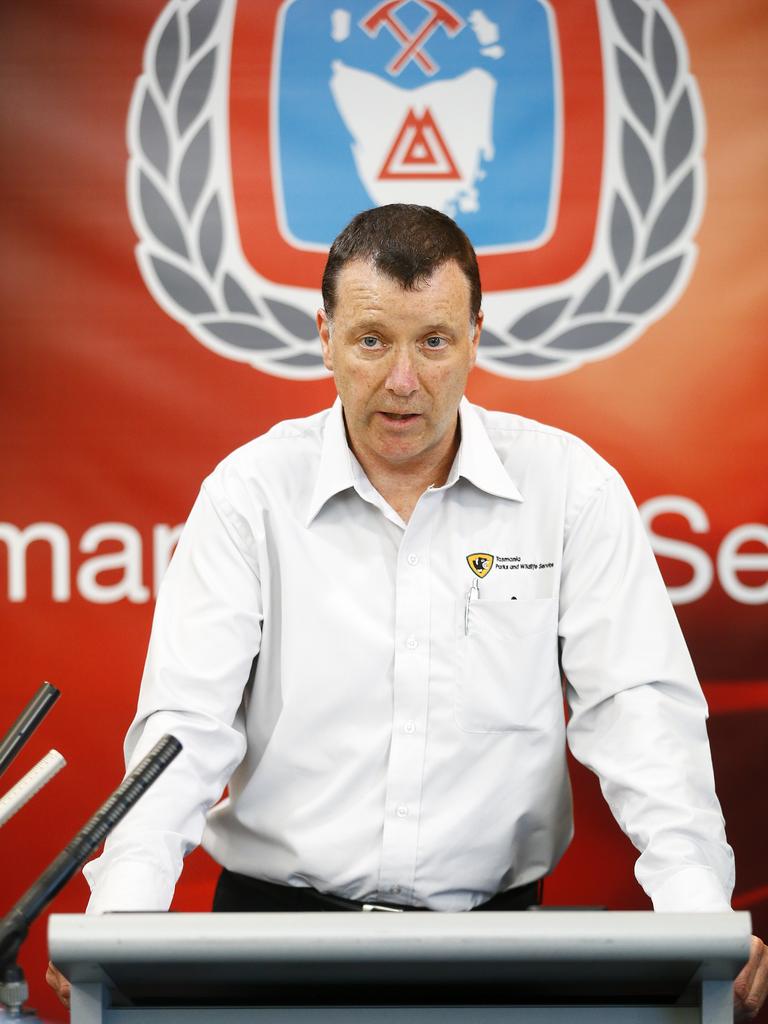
<point>41,703</point>
<point>15,925</point>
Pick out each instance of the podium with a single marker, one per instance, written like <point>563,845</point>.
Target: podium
<point>579,967</point>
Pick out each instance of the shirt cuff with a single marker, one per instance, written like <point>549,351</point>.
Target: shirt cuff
<point>129,885</point>
<point>690,890</point>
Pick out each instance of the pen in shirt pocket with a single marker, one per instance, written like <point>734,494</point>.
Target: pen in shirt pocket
<point>473,592</point>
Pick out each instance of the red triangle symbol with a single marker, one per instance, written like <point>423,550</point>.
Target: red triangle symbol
<point>419,151</point>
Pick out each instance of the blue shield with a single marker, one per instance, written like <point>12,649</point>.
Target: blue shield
<point>417,102</point>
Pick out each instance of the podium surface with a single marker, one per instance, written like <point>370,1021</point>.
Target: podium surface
<point>538,967</point>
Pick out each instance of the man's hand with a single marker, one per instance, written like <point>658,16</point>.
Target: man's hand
<point>751,986</point>
<point>58,983</point>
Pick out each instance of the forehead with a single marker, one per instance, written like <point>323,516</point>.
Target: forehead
<point>363,291</point>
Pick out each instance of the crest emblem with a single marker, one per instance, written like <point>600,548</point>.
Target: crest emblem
<point>257,130</point>
<point>480,563</point>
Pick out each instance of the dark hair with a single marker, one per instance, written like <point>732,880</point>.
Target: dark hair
<point>407,243</point>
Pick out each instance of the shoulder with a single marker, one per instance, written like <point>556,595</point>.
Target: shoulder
<point>518,439</point>
<point>547,463</point>
<point>289,439</point>
<point>280,463</point>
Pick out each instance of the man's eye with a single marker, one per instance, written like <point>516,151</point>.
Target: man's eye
<point>369,341</point>
<point>435,342</point>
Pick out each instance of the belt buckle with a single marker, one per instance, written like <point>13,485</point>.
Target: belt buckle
<point>368,907</point>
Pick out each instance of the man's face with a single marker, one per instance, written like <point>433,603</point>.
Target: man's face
<point>401,360</point>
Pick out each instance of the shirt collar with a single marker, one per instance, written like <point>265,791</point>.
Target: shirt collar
<point>476,461</point>
<point>335,473</point>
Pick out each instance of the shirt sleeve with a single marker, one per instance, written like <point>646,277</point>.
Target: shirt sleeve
<point>205,635</point>
<point>637,713</point>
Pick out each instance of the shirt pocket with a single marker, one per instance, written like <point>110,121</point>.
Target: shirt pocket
<point>507,669</point>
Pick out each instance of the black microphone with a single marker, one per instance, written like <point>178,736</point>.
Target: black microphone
<point>15,924</point>
<point>26,723</point>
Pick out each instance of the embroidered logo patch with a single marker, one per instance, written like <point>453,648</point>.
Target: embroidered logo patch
<point>480,563</point>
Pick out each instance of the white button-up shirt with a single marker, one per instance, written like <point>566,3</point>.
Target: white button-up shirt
<point>401,734</point>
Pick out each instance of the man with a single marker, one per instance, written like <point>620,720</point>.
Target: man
<point>414,574</point>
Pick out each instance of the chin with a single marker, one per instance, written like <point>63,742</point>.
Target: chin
<point>393,451</point>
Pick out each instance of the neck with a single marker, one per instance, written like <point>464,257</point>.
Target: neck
<point>402,484</point>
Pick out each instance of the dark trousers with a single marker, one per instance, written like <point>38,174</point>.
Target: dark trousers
<point>240,893</point>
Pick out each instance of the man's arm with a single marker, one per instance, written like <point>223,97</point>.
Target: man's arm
<point>205,634</point>
<point>637,718</point>
<point>637,714</point>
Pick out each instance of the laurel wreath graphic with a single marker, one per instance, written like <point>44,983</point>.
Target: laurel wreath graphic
<point>178,203</point>
<point>650,220</point>
<point>189,255</point>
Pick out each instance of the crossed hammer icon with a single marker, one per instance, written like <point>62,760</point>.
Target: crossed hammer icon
<point>412,44</point>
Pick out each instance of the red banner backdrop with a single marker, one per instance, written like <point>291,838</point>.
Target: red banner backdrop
<point>113,412</point>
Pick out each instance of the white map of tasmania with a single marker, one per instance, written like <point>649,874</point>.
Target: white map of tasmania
<point>423,145</point>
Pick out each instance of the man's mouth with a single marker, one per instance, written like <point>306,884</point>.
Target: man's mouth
<point>400,417</point>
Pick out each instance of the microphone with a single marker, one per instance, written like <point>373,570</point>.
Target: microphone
<point>26,723</point>
<point>15,924</point>
<point>32,783</point>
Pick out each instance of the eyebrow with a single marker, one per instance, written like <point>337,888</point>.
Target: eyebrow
<point>379,327</point>
<point>367,325</point>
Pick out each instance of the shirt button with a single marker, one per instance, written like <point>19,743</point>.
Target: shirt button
<point>402,811</point>
<point>413,559</point>
<point>395,890</point>
<point>410,726</point>
<point>411,643</point>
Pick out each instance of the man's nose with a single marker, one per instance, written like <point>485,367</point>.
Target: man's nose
<point>402,378</point>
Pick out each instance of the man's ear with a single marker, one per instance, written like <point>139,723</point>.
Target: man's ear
<point>324,330</point>
<point>476,336</point>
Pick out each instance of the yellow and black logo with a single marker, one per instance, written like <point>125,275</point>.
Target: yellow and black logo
<point>480,563</point>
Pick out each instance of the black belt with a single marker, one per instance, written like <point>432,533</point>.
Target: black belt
<point>236,892</point>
